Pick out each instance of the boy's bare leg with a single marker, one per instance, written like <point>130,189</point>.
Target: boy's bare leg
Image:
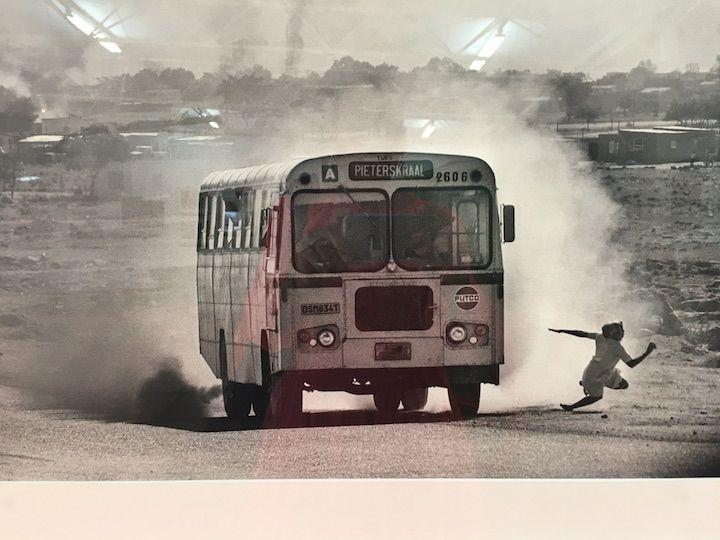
<point>587,400</point>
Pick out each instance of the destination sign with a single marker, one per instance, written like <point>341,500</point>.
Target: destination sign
<point>391,170</point>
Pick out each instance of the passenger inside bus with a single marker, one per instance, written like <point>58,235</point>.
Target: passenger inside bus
<point>427,246</point>
<point>440,228</point>
<point>320,255</point>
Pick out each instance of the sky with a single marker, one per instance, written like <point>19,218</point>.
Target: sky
<point>299,36</point>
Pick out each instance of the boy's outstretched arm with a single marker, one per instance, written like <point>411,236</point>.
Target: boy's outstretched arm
<point>578,333</point>
<point>635,361</point>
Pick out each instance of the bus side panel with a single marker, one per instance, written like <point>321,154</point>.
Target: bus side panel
<point>243,363</point>
<point>221,296</point>
<point>256,299</point>
<point>286,336</point>
<point>483,312</point>
<point>206,316</point>
<point>500,323</point>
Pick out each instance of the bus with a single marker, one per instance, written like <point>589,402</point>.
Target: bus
<point>375,274</point>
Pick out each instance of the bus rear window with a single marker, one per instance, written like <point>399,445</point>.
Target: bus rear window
<point>340,232</point>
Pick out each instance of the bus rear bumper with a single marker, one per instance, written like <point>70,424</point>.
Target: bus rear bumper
<point>367,380</point>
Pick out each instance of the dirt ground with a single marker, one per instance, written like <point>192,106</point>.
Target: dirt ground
<point>91,305</point>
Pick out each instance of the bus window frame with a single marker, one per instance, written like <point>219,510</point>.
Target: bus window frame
<point>246,243</point>
<point>220,227</point>
<point>202,221</point>
<point>490,229</point>
<point>258,202</point>
<point>234,197</point>
<point>214,220</point>
<point>211,217</point>
<point>245,218</point>
<point>388,222</point>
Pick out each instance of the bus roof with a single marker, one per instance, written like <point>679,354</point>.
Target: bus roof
<point>275,174</point>
<point>258,175</point>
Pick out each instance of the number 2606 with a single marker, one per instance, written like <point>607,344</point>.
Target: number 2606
<point>452,176</point>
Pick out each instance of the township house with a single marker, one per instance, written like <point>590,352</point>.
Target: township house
<point>666,144</point>
<point>40,148</point>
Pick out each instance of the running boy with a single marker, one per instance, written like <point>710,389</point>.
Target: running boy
<point>601,371</point>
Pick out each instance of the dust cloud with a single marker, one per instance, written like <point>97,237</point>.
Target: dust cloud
<point>121,350</point>
<point>563,270</point>
<point>111,367</point>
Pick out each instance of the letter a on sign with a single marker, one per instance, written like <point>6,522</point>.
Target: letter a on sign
<point>329,173</point>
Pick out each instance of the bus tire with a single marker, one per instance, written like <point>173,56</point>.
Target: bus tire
<point>236,397</point>
<point>286,400</point>
<point>414,399</point>
<point>464,399</point>
<point>386,400</point>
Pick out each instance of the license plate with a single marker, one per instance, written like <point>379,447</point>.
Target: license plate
<point>320,309</point>
<point>392,351</point>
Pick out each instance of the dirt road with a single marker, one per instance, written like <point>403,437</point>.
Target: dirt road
<point>92,305</point>
<point>54,445</point>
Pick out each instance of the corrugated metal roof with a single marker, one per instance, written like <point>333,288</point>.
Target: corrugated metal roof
<point>684,128</point>
<point>655,90</point>
<point>649,130</point>
<point>42,139</point>
<point>140,134</point>
<point>267,173</point>
<point>197,138</point>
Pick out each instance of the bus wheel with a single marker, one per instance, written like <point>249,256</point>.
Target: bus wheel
<point>261,399</point>
<point>387,400</point>
<point>414,399</point>
<point>464,399</point>
<point>236,397</point>
<point>286,400</point>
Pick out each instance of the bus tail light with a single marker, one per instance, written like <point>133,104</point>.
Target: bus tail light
<point>456,333</point>
<point>326,337</point>
<point>482,333</point>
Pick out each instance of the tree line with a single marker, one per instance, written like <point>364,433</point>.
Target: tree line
<point>570,96</point>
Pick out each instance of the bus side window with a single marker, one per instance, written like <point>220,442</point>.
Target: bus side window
<point>219,221</point>
<point>256,211</point>
<point>264,224</point>
<point>265,215</point>
<point>202,221</point>
<point>211,220</point>
<point>248,219</point>
<point>241,219</point>
<point>230,218</point>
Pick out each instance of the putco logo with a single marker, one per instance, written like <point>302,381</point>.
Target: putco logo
<point>467,298</point>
